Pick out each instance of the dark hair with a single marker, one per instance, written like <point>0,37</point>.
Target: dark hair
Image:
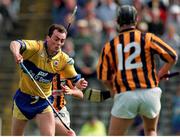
<point>60,28</point>
<point>127,15</point>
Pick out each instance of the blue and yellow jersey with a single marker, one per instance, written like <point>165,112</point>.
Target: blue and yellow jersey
<point>42,67</point>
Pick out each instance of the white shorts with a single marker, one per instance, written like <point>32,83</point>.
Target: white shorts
<point>64,115</point>
<point>144,102</point>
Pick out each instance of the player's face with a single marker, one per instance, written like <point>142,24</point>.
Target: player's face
<point>56,41</point>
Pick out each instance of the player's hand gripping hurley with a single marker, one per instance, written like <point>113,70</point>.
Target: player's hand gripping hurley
<point>26,70</point>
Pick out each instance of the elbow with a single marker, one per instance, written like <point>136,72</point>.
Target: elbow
<point>173,59</point>
<point>81,95</point>
<point>13,44</point>
<point>78,94</point>
<point>176,59</point>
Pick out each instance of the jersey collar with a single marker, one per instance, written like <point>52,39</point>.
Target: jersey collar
<point>128,29</point>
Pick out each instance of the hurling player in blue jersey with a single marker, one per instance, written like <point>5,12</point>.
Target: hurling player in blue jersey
<point>43,59</point>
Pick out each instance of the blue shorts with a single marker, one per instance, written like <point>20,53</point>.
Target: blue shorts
<point>29,106</point>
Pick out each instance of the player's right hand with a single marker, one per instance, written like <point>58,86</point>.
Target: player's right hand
<point>18,58</point>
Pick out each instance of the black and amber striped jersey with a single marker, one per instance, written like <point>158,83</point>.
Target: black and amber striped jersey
<point>128,60</point>
<point>59,100</point>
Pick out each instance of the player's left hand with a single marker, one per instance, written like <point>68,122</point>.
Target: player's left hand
<point>81,84</point>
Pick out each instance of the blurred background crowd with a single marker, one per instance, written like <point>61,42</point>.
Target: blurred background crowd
<point>93,25</point>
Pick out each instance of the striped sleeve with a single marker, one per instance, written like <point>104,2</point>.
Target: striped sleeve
<point>104,66</point>
<point>166,52</point>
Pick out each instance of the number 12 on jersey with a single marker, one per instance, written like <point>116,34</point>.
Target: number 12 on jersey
<point>128,61</point>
